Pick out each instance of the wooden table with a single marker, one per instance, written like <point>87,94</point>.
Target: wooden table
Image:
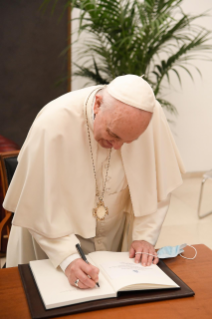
<point>196,273</point>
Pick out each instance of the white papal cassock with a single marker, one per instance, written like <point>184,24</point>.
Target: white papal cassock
<point>53,190</point>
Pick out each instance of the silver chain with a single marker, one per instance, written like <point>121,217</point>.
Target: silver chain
<point>92,159</point>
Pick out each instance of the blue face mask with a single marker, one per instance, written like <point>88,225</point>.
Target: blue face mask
<point>170,252</point>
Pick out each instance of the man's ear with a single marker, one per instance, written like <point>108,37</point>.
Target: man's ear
<point>97,104</point>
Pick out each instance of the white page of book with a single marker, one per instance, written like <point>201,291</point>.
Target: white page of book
<point>122,271</point>
<point>56,290</point>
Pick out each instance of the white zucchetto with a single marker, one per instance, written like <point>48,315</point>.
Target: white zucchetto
<point>134,91</point>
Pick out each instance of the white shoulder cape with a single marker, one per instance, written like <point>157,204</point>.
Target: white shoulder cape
<point>53,189</point>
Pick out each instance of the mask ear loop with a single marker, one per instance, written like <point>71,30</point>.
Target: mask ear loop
<point>192,257</point>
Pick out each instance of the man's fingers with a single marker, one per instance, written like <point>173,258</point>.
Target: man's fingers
<point>156,260</point>
<point>149,259</point>
<point>137,258</point>
<point>80,285</point>
<point>144,252</point>
<point>144,259</point>
<point>84,279</point>
<point>90,270</point>
<point>86,273</point>
<point>132,252</point>
<point>141,256</point>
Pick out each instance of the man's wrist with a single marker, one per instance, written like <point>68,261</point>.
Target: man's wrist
<point>148,240</point>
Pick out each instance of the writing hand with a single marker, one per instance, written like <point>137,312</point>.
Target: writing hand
<point>144,247</point>
<point>86,273</point>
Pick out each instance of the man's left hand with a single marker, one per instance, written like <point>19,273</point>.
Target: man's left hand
<point>142,246</point>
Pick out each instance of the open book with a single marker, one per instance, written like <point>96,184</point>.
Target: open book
<point>118,273</point>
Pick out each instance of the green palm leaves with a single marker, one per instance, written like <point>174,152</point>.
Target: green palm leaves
<point>150,37</point>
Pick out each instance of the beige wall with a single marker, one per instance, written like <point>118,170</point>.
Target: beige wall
<point>193,126</point>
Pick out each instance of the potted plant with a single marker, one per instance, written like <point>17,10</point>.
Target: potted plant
<point>151,38</point>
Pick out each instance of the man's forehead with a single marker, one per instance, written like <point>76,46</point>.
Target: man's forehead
<point>123,132</point>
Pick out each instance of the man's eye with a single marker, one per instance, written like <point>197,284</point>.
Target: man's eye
<point>116,137</point>
<point>113,136</point>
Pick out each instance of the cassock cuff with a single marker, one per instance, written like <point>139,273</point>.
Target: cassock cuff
<point>68,260</point>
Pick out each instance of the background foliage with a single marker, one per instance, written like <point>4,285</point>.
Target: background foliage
<point>150,37</point>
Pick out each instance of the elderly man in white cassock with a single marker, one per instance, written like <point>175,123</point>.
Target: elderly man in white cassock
<point>97,168</point>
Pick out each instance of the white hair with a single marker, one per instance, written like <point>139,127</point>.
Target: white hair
<point>108,101</point>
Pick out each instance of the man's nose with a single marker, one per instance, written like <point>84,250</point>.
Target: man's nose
<point>117,145</point>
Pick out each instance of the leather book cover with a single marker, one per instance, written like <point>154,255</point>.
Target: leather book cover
<point>38,310</point>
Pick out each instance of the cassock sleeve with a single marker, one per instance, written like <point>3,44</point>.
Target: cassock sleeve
<point>57,249</point>
<point>148,227</point>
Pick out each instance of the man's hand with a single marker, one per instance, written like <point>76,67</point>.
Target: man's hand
<point>144,247</point>
<point>86,273</point>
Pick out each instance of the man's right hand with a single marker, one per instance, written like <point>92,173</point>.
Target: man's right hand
<point>86,273</point>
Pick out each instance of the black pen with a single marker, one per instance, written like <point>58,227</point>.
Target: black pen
<point>81,252</point>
